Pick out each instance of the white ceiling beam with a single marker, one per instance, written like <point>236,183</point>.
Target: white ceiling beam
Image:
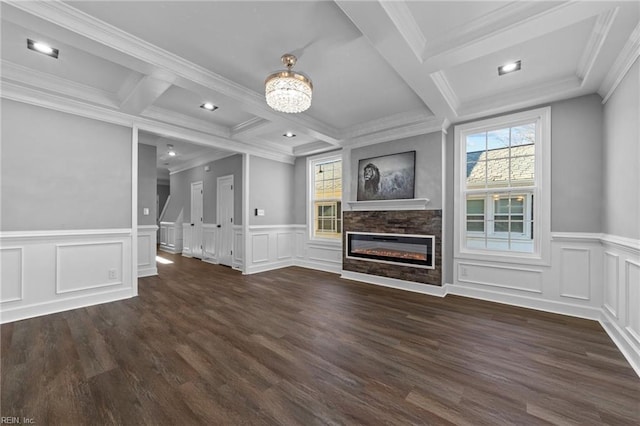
<point>144,94</point>
<point>509,33</point>
<point>74,20</point>
<point>377,26</point>
<point>31,77</point>
<point>42,99</point>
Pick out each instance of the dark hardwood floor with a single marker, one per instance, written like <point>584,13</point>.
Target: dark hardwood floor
<point>203,344</point>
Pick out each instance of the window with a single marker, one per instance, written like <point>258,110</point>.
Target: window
<point>326,197</point>
<point>501,172</point>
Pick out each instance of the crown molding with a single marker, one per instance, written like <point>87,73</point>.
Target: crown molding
<point>442,83</point>
<point>628,55</point>
<point>386,123</point>
<point>405,23</point>
<point>45,81</point>
<point>39,98</point>
<point>546,91</point>
<point>250,127</point>
<point>427,126</point>
<point>312,148</point>
<point>598,35</point>
<point>182,120</point>
<point>200,161</point>
<point>76,21</point>
<point>497,21</point>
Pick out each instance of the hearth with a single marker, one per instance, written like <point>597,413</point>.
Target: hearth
<point>397,249</point>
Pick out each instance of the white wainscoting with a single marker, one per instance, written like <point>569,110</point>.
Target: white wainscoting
<point>238,248</point>
<point>187,235</point>
<point>210,242</point>
<point>147,235</point>
<point>621,307</point>
<point>570,285</point>
<point>279,246</point>
<point>171,237</point>
<point>270,247</point>
<point>44,272</point>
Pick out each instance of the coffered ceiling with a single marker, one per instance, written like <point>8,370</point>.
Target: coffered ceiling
<point>381,70</point>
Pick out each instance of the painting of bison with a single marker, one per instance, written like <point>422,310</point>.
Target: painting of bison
<point>390,177</point>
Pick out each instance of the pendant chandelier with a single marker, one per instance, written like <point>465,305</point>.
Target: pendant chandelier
<point>288,91</point>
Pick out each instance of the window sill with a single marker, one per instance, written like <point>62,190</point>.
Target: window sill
<point>504,257</point>
<point>325,242</point>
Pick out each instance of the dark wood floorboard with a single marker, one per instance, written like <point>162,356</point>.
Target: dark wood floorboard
<point>203,344</point>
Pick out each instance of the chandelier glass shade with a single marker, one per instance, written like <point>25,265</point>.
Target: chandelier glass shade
<point>288,91</point>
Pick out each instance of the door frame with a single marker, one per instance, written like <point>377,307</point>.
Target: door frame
<point>221,180</point>
<point>200,252</point>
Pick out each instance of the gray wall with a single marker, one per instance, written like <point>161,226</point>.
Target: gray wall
<point>61,171</point>
<point>147,184</point>
<point>622,158</point>
<point>576,165</point>
<point>300,191</point>
<point>163,193</point>
<point>180,188</point>
<point>428,179</point>
<point>226,166</point>
<point>271,188</point>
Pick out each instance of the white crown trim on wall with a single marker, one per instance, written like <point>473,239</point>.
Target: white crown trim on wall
<point>599,34</point>
<point>621,65</point>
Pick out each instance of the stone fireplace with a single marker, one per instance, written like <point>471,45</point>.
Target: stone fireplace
<point>400,244</point>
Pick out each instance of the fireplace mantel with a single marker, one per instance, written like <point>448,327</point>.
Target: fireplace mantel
<point>404,204</point>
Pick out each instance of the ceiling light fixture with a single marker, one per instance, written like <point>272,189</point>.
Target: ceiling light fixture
<point>510,67</point>
<point>289,135</point>
<point>288,91</point>
<point>171,152</point>
<point>208,106</point>
<point>41,47</point>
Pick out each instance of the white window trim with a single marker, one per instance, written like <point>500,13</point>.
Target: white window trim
<point>311,161</point>
<point>542,193</point>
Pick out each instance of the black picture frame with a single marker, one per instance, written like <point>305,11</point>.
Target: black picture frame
<point>388,177</point>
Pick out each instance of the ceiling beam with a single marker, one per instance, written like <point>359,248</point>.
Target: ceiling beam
<point>377,26</point>
<point>144,94</point>
<point>74,20</point>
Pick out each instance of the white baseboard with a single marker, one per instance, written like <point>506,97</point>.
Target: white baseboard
<point>432,290</point>
<point>630,350</point>
<point>319,266</point>
<point>270,266</point>
<point>147,272</point>
<point>55,306</point>
<point>586,312</point>
<point>171,250</point>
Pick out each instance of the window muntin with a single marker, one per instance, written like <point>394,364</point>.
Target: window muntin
<point>326,197</point>
<point>499,188</point>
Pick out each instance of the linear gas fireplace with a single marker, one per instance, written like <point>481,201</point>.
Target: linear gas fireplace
<point>398,249</point>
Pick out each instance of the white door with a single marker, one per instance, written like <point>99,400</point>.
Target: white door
<point>196,219</point>
<point>225,220</point>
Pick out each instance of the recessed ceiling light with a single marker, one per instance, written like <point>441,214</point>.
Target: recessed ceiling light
<point>41,47</point>
<point>289,135</point>
<point>510,67</point>
<point>208,106</point>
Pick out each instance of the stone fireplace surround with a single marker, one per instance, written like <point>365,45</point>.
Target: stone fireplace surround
<point>417,222</point>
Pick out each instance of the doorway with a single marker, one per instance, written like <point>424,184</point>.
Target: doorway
<point>224,216</point>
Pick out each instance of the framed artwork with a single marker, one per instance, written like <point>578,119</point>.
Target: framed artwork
<point>390,177</point>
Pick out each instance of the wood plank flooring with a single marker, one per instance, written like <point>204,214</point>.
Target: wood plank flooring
<point>203,344</point>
